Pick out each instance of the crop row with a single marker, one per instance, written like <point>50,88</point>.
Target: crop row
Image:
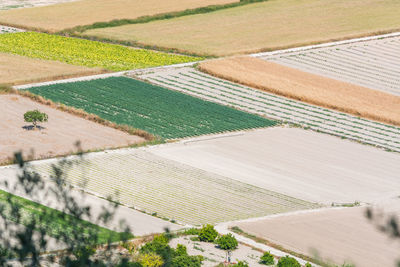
<point>85,52</point>
<point>166,113</point>
<point>173,190</point>
<point>373,64</point>
<point>193,82</point>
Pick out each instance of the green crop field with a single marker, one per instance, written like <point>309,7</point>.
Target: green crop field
<point>56,221</point>
<point>162,112</point>
<point>85,53</point>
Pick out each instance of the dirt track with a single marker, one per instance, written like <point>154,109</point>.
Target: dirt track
<point>337,234</point>
<point>59,136</point>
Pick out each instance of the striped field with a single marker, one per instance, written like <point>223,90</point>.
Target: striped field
<point>193,82</point>
<point>173,190</point>
<point>374,63</point>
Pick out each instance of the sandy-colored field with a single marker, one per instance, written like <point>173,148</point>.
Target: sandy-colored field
<point>307,87</point>
<point>85,12</point>
<point>264,26</point>
<point>16,69</point>
<point>61,132</point>
<point>337,235</point>
<point>295,162</point>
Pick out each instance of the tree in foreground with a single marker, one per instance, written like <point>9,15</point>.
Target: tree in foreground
<point>288,262</point>
<point>35,116</point>
<point>25,232</point>
<point>227,242</point>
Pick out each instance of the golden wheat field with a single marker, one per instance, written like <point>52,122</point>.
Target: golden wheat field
<point>67,15</point>
<point>263,26</point>
<point>307,87</point>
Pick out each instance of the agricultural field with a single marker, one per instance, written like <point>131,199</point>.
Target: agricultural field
<point>198,84</point>
<point>13,4</point>
<point>307,87</point>
<point>16,69</point>
<point>157,110</point>
<point>84,12</point>
<point>59,135</point>
<point>139,223</point>
<point>84,52</point>
<point>259,27</point>
<point>56,222</point>
<point>295,162</point>
<point>373,63</point>
<point>173,190</point>
<point>337,235</point>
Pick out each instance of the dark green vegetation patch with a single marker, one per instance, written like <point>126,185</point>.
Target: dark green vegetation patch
<point>162,112</point>
<point>56,221</point>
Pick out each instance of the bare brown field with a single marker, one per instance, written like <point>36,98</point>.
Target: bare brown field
<point>68,15</point>
<point>270,25</point>
<point>16,69</point>
<point>336,235</point>
<point>59,135</point>
<point>307,87</point>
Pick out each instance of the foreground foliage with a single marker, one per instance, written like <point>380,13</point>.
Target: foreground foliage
<point>27,227</point>
<point>84,52</point>
<point>157,110</point>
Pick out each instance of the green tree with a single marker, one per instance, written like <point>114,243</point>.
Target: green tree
<point>288,262</point>
<point>227,242</point>
<point>35,116</point>
<point>267,259</point>
<point>208,233</point>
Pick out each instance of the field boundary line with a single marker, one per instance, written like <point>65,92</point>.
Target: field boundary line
<point>308,47</point>
<point>101,76</point>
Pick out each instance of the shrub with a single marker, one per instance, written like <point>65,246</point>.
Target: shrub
<point>191,231</point>
<point>180,250</point>
<point>160,248</point>
<point>208,233</point>
<point>267,259</point>
<point>288,262</point>
<point>187,261</point>
<point>35,116</point>
<point>241,264</point>
<point>150,260</point>
<point>227,242</point>
<point>308,264</point>
<point>163,238</point>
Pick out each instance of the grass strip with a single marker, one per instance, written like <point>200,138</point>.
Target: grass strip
<point>56,221</point>
<point>163,16</point>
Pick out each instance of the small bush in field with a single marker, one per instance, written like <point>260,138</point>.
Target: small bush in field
<point>187,261</point>
<point>151,260</point>
<point>227,242</point>
<point>288,262</point>
<point>267,259</point>
<point>208,233</point>
<point>308,265</point>
<point>241,264</point>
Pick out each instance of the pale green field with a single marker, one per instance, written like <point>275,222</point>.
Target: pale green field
<point>264,26</point>
<point>174,190</point>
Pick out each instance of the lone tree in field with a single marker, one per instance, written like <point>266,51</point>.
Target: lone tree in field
<point>35,116</point>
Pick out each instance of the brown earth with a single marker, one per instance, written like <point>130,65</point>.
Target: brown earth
<point>59,135</point>
<point>68,15</point>
<point>336,235</point>
<point>16,69</point>
<point>307,87</point>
